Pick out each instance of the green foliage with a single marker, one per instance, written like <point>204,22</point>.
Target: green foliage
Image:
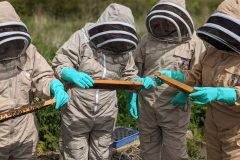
<point>198,115</point>
<point>91,9</point>
<point>124,118</point>
<point>48,33</point>
<point>196,126</point>
<point>49,130</point>
<point>194,152</point>
<point>77,8</point>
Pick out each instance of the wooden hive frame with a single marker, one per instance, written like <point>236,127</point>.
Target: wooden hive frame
<point>98,84</point>
<point>174,83</point>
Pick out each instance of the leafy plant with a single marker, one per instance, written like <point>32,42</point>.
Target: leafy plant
<point>49,130</point>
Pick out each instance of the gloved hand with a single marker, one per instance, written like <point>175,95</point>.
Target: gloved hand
<point>132,105</point>
<point>148,82</point>
<point>180,99</point>
<point>206,95</point>
<point>57,89</point>
<point>177,75</point>
<point>81,79</point>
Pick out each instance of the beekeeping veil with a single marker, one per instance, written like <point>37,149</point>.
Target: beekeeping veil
<point>222,29</point>
<point>14,36</point>
<point>115,30</point>
<point>169,20</point>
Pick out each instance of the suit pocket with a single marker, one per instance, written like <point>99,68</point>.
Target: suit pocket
<point>183,57</point>
<point>24,86</point>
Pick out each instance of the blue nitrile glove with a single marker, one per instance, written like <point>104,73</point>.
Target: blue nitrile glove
<point>148,82</point>
<point>180,99</point>
<point>132,105</point>
<point>81,79</point>
<point>206,95</point>
<point>177,75</point>
<point>57,89</point>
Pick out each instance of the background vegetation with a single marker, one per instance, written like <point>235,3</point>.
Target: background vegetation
<point>51,22</point>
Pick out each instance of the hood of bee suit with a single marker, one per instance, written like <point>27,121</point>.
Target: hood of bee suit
<point>14,36</point>
<point>222,30</point>
<point>169,20</point>
<point>115,30</point>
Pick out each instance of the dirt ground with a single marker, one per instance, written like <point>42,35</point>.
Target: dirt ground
<point>132,152</point>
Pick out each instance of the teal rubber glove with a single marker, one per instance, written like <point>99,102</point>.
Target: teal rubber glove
<point>57,89</point>
<point>180,99</point>
<point>148,82</point>
<point>81,79</point>
<point>177,75</point>
<point>206,95</point>
<point>132,105</point>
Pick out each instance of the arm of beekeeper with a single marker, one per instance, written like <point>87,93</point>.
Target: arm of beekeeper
<point>130,71</point>
<point>193,77</point>
<point>67,55</point>
<point>139,58</point>
<point>136,59</point>
<point>42,74</point>
<point>199,49</point>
